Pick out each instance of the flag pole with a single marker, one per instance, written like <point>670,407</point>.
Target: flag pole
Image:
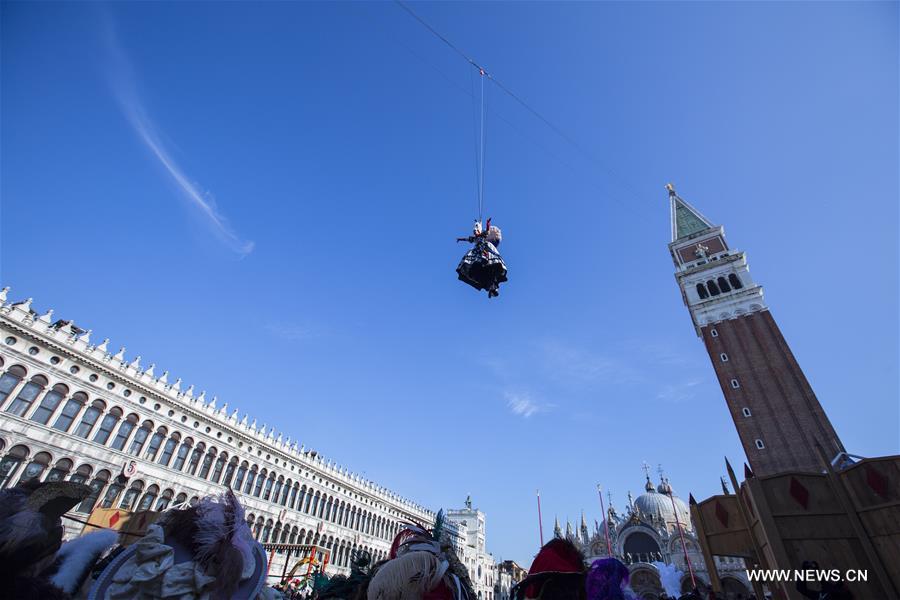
<point>681,533</point>
<point>605,521</point>
<point>540,520</point>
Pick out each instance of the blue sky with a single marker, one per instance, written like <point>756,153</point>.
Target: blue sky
<point>263,200</point>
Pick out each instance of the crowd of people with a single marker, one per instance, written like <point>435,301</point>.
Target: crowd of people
<point>207,552</point>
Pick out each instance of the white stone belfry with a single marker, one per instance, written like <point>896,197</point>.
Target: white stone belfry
<point>714,279</point>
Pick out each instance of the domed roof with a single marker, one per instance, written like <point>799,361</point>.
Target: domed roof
<point>658,504</point>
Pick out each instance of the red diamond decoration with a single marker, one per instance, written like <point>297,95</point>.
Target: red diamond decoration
<point>114,519</point>
<point>799,493</point>
<point>722,515</point>
<point>876,481</point>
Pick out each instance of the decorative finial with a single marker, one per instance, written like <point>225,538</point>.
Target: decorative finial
<point>671,189</point>
<point>149,371</point>
<point>3,294</point>
<point>102,345</point>
<point>164,378</point>
<point>46,316</point>
<point>136,363</point>
<point>120,355</point>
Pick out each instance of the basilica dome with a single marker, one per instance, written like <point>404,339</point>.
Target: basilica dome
<point>656,503</point>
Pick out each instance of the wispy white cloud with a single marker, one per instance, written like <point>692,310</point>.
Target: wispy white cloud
<point>679,392</point>
<point>575,365</point>
<point>124,85</point>
<point>523,405</point>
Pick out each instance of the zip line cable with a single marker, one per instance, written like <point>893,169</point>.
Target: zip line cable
<point>481,156</point>
<point>484,73</point>
<point>470,93</point>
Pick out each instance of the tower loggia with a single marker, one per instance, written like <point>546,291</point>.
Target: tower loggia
<point>777,415</point>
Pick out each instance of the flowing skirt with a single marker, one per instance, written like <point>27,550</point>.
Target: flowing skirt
<point>482,267</point>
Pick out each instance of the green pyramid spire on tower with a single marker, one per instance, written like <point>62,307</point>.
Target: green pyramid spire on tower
<point>686,220</point>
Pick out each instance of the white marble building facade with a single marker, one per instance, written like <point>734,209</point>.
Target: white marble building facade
<point>71,409</point>
<point>480,563</point>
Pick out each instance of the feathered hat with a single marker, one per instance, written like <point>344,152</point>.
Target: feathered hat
<point>421,566</point>
<point>205,551</point>
<point>558,573</point>
<point>31,533</point>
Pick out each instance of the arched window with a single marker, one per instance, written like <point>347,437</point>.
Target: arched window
<point>257,491</point>
<point>293,537</point>
<point>239,478</point>
<point>276,534</point>
<point>293,501</point>
<point>169,449</point>
<point>303,504</point>
<point>195,458</point>
<point>155,442</point>
<point>26,396</point>
<point>107,424</point>
<point>207,462</point>
<point>124,432</point>
<point>328,509</point>
<point>51,400</point>
<point>180,499</point>
<point>88,419</point>
<point>701,291</point>
<point>257,530</point>
<point>723,285</point>
<point>269,483</point>
<point>183,451</point>
<point>285,491</point>
<point>82,474</point>
<point>97,485</point>
<point>10,380</point>
<point>140,438</point>
<point>248,487</point>
<point>60,470</point>
<point>36,467</point>
<point>276,492</point>
<point>713,288</point>
<point>229,471</point>
<point>71,409</point>
<point>194,501</point>
<point>146,502</point>
<point>315,505</point>
<point>164,500</point>
<point>217,470</point>
<point>10,464</point>
<point>131,494</point>
<point>735,281</point>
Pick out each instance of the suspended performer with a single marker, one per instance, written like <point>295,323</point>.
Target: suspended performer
<point>482,267</point>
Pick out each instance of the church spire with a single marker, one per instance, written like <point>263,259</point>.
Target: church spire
<point>686,220</point>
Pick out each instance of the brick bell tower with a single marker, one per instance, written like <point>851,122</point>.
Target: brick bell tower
<point>777,415</point>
